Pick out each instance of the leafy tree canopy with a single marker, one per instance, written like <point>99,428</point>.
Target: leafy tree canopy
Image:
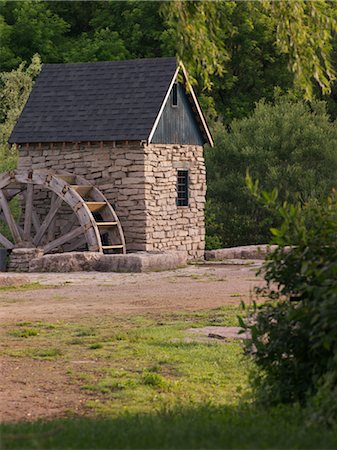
<point>15,89</point>
<point>303,31</point>
<point>289,144</point>
<point>240,49</point>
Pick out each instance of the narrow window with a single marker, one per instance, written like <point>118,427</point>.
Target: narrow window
<point>175,95</point>
<point>182,188</point>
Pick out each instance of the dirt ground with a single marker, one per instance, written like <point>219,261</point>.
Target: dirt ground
<point>30,388</point>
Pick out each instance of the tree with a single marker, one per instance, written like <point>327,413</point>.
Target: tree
<point>303,31</point>
<point>290,145</point>
<point>15,89</point>
<point>138,23</point>
<point>34,29</point>
<point>103,45</point>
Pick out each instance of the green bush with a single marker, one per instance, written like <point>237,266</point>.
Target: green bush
<point>289,144</point>
<point>294,333</point>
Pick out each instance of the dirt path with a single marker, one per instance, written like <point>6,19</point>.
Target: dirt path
<point>78,295</point>
<point>31,388</point>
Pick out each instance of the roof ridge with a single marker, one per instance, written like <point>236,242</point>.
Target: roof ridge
<point>121,62</point>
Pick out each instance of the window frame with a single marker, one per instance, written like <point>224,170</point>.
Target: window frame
<point>174,99</point>
<point>183,196</point>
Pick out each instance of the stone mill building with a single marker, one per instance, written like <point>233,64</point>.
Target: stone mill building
<point>136,131</point>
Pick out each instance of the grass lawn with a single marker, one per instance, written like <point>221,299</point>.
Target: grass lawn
<point>152,386</point>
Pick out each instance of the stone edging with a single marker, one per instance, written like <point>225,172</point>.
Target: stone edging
<point>243,252</point>
<point>91,261</point>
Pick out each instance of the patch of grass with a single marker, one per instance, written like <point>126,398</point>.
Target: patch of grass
<point>148,388</point>
<point>154,379</point>
<point>24,332</point>
<point>23,324</point>
<point>198,427</point>
<point>46,353</point>
<point>23,287</point>
<point>96,346</point>
<point>84,332</point>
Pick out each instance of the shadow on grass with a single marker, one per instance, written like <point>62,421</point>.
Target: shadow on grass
<point>194,428</point>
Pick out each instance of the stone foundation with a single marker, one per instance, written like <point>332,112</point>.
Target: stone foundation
<point>20,258</point>
<point>139,180</point>
<point>91,261</point>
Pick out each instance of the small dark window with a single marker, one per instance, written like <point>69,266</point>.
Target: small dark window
<point>175,95</point>
<point>182,188</point>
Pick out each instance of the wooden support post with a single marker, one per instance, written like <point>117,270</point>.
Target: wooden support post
<point>28,212</point>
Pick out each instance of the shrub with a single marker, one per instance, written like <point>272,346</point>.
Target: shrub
<point>294,333</point>
<point>289,144</point>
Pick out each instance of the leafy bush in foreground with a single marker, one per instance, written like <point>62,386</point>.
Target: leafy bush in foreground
<point>294,333</point>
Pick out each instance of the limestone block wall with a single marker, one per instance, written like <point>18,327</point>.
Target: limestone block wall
<point>140,181</point>
<point>170,226</point>
<point>116,169</point>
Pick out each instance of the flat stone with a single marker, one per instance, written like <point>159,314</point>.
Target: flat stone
<point>220,332</point>
<point>65,262</point>
<point>92,261</point>
<point>243,252</point>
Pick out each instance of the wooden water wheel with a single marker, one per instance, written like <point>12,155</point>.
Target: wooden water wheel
<point>91,222</point>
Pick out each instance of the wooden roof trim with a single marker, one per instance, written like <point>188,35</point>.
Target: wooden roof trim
<point>196,102</point>
<point>163,105</point>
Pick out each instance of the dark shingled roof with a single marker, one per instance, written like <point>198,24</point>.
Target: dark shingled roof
<point>115,100</point>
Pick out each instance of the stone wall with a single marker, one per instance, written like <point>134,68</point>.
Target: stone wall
<point>140,182</point>
<point>170,226</point>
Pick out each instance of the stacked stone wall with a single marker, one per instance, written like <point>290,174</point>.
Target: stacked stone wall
<point>140,182</point>
<point>170,226</point>
<point>116,169</point>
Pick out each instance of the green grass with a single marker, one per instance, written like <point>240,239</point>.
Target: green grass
<point>24,287</point>
<point>203,427</point>
<point>24,332</point>
<point>149,387</point>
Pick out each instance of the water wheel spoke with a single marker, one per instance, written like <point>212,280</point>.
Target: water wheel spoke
<point>51,228</point>
<point>36,220</point>
<point>5,242</point>
<point>28,212</point>
<point>80,242</point>
<point>45,224</point>
<point>9,218</point>
<point>63,239</point>
<point>93,216</point>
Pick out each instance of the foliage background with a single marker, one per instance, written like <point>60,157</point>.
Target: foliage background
<point>237,53</point>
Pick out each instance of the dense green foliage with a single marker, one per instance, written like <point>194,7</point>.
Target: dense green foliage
<point>289,144</point>
<point>302,31</point>
<point>15,89</point>
<point>294,333</point>
<point>240,49</point>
